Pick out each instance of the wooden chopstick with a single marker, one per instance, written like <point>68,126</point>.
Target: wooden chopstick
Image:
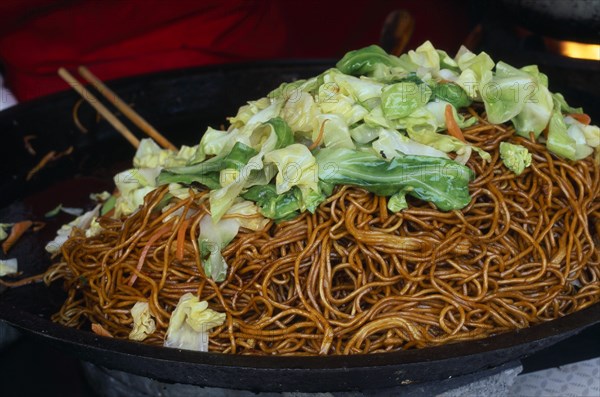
<point>96,104</point>
<point>126,109</point>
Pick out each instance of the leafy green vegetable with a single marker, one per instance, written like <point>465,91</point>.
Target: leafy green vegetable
<point>425,57</point>
<point>214,236</point>
<point>246,112</point>
<point>285,136</point>
<point>335,131</point>
<point>365,133</point>
<point>585,137</point>
<point>536,112</point>
<point>365,61</point>
<point>143,323</point>
<point>401,99</point>
<point>296,166</point>
<point>440,181</point>
<point>190,324</point>
<point>559,142</point>
<point>590,134</point>
<point>235,159</point>
<point>397,202</point>
<point>242,211</point>
<point>480,64</point>
<point>360,89</point>
<point>331,99</point>
<point>133,185</point>
<point>3,228</point>
<point>82,222</point>
<point>263,137</point>
<point>53,212</point>
<point>108,205</point>
<point>8,266</point>
<point>300,112</point>
<point>515,157</point>
<point>505,93</point>
<point>210,180</point>
<point>564,106</point>
<point>451,93</point>
<point>150,155</point>
<point>391,143</point>
<point>273,205</point>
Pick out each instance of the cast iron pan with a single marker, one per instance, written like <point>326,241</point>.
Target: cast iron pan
<point>182,104</point>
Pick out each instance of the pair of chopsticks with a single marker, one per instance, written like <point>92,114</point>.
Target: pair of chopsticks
<point>118,103</point>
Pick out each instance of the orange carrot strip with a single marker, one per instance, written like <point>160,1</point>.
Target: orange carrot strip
<point>100,330</point>
<point>317,141</point>
<point>181,239</point>
<point>49,157</point>
<point>451,125</point>
<point>151,241</point>
<point>582,118</point>
<point>15,234</point>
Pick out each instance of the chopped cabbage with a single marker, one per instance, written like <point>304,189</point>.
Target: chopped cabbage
<point>247,214</point>
<point>214,236</point>
<point>504,94</point>
<point>515,157</point>
<point>143,323</point>
<point>150,155</point>
<point>247,111</point>
<point>296,166</point>
<point>190,324</point>
<point>401,99</point>
<point>3,228</point>
<point>133,185</point>
<point>299,113</point>
<point>82,222</point>
<point>222,199</point>
<point>335,131</point>
<point>8,266</point>
<point>391,143</point>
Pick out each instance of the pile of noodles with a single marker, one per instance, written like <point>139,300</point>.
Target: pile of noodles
<point>353,277</point>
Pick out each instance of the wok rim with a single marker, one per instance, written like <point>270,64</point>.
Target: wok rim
<point>557,328</point>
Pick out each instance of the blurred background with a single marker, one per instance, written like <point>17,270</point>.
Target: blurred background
<point>125,38</point>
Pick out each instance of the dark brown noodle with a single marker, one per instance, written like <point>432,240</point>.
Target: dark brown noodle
<point>354,278</point>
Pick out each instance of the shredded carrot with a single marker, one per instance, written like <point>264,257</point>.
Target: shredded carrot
<point>451,125</point>
<point>50,156</point>
<point>100,330</point>
<point>582,118</point>
<point>317,141</point>
<point>15,234</point>
<point>151,241</point>
<point>181,239</point>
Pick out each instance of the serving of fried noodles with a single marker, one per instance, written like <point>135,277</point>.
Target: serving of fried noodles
<point>353,277</point>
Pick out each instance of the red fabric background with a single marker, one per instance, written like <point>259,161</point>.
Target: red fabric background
<point>128,37</point>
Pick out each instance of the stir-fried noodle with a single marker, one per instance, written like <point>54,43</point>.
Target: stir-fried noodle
<point>354,277</point>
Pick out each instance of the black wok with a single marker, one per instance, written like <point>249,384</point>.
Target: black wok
<point>181,104</point>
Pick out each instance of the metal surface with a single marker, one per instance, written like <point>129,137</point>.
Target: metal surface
<point>577,20</point>
<point>181,104</point>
